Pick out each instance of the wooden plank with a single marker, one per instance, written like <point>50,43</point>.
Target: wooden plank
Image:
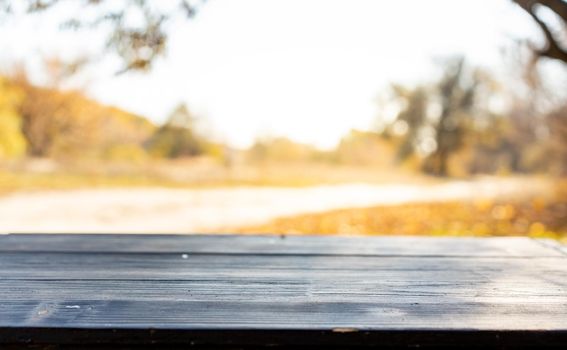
<point>283,291</point>
<point>267,315</point>
<point>212,267</point>
<point>548,243</point>
<point>271,244</point>
<point>216,292</point>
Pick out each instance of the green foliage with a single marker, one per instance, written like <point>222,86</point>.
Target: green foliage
<point>175,142</point>
<point>177,138</point>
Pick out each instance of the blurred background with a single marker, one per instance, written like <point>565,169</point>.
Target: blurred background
<point>407,117</point>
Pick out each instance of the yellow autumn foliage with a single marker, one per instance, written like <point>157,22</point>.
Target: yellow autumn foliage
<point>12,141</point>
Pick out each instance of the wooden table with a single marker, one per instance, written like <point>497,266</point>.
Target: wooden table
<point>141,291</point>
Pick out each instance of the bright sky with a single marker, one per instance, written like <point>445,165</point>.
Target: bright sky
<point>307,69</point>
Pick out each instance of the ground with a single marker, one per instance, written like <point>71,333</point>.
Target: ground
<point>534,217</point>
<point>205,197</point>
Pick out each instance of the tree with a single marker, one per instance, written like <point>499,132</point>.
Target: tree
<point>56,123</point>
<point>181,117</point>
<point>554,47</point>
<point>557,121</point>
<point>177,137</point>
<point>436,137</point>
<point>456,96</point>
<point>137,45</point>
<point>411,119</point>
<point>12,141</point>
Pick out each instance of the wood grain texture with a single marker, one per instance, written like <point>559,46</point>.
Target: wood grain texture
<point>276,244</point>
<point>228,291</point>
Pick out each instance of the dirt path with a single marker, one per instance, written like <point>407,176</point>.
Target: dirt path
<point>185,211</point>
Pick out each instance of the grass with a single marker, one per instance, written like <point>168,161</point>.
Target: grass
<point>199,173</point>
<point>544,217</point>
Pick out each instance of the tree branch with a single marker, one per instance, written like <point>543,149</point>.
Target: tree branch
<point>553,48</point>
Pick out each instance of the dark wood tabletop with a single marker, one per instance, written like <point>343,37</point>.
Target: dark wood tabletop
<point>235,292</point>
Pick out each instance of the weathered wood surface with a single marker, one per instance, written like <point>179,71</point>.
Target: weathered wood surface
<point>296,291</point>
